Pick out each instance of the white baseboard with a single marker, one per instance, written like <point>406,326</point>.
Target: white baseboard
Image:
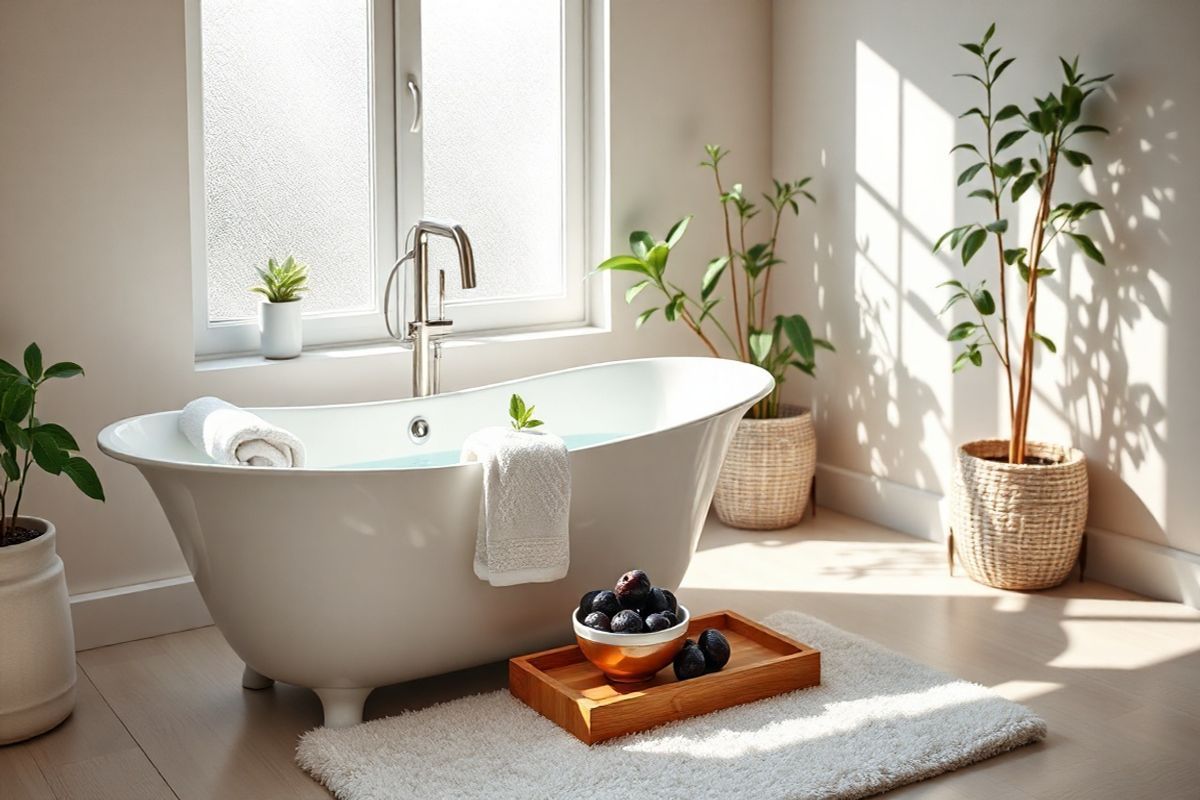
<point>111,616</point>
<point>1148,568</point>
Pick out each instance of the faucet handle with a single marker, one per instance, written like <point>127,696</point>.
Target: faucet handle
<point>441,294</point>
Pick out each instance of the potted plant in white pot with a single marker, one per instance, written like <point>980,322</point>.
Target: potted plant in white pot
<point>766,479</point>
<point>280,314</point>
<point>37,642</point>
<point>1019,506</point>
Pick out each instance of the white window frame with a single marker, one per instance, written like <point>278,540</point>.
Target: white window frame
<point>398,203</point>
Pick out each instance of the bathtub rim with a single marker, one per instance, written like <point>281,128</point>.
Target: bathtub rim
<point>107,442</point>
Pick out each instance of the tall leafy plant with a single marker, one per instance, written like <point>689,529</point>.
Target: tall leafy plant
<point>27,441</point>
<point>1046,130</point>
<point>282,283</point>
<point>777,343</point>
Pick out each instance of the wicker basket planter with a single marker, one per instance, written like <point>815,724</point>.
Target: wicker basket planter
<point>765,481</point>
<point>1018,526</point>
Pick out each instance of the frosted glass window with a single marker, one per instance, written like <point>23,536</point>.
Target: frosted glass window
<point>493,140</point>
<point>287,149</point>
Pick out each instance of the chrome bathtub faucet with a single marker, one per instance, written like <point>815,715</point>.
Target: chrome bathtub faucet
<point>425,333</point>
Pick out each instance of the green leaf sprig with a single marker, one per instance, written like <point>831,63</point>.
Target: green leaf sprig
<point>522,416</point>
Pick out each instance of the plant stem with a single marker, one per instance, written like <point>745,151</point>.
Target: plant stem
<point>1016,450</point>
<point>1006,359</point>
<point>770,269</point>
<point>749,281</point>
<point>25,467</point>
<point>737,314</point>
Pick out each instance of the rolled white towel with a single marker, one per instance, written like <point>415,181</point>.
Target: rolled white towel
<point>230,435</point>
<point>524,513</point>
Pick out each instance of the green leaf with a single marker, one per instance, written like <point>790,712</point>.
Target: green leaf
<point>1010,138</point>
<point>1021,184</point>
<point>7,368</point>
<point>986,194</point>
<point>516,406</point>
<point>57,432</point>
<point>626,263</point>
<point>677,231</point>
<point>11,470</point>
<point>533,423</point>
<point>712,275</point>
<point>800,335</point>
<point>645,315</point>
<point>760,345</point>
<point>1085,244</point>
<point>63,369</point>
<point>1009,111</point>
<point>824,344</point>
<point>970,172</point>
<point>999,226</point>
<point>976,357</point>
<point>15,402</point>
<point>972,48</point>
<point>999,70</point>
<point>1011,256</point>
<point>971,245</point>
<point>84,476</point>
<point>1089,129</point>
<point>1076,158</point>
<point>16,434</point>
<point>954,298</point>
<point>1046,341</point>
<point>961,331</point>
<point>1083,208</point>
<point>48,455</point>
<point>635,290</point>
<point>976,111</point>
<point>958,235</point>
<point>33,362</point>
<point>656,260</point>
<point>964,146</point>
<point>983,301</point>
<point>952,232</point>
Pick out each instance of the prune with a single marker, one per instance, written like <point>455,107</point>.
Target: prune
<point>606,603</point>
<point>715,648</point>
<point>585,603</point>
<point>632,589</point>
<point>674,620</point>
<point>672,603</point>
<point>598,620</point>
<point>627,621</point>
<point>656,602</point>
<point>689,663</point>
<point>657,622</point>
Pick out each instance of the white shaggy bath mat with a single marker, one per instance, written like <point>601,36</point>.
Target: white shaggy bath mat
<point>877,721</point>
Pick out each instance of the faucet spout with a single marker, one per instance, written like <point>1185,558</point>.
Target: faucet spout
<point>455,233</point>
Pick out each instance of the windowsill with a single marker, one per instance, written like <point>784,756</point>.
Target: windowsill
<point>392,347</point>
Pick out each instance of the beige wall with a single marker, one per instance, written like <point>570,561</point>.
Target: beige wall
<point>865,101</point>
<point>94,229</point>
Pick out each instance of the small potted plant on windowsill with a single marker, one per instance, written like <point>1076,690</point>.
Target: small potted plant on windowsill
<point>766,478</point>
<point>37,642</point>
<point>280,315</point>
<point>1020,506</point>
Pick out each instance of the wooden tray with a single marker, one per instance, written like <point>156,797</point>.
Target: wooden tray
<point>564,687</point>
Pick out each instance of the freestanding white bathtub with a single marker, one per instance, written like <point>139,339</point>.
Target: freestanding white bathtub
<point>355,571</point>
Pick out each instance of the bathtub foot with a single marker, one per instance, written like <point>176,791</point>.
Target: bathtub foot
<point>254,680</point>
<point>343,707</point>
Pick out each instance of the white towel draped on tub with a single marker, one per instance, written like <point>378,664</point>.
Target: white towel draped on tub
<point>232,436</point>
<point>525,510</point>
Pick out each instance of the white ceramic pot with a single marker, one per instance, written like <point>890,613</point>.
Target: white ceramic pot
<point>37,642</point>
<point>281,328</point>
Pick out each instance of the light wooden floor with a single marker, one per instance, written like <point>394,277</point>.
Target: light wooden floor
<point>1116,676</point>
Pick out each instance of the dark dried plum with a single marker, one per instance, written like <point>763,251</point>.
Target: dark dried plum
<point>598,620</point>
<point>632,589</point>
<point>715,648</point>
<point>672,603</point>
<point>627,621</point>
<point>606,603</point>
<point>657,622</point>
<point>674,620</point>
<point>656,602</point>
<point>585,603</point>
<point>689,663</point>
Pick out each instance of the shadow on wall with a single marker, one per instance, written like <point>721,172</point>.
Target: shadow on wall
<point>890,404</point>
